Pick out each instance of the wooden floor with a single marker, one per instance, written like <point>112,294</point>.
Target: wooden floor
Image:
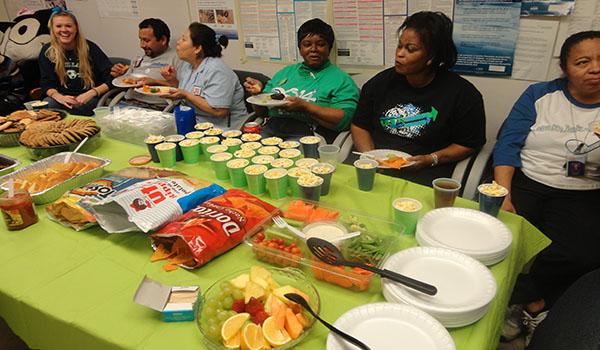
<point>8,340</point>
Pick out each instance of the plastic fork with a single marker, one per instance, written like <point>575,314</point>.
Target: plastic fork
<point>281,223</point>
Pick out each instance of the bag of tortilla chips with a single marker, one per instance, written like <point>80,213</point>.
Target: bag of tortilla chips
<point>210,229</point>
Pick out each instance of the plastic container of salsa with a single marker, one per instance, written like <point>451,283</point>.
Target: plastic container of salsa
<point>277,246</point>
<point>18,211</point>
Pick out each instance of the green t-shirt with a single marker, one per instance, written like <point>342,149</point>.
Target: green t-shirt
<point>327,86</point>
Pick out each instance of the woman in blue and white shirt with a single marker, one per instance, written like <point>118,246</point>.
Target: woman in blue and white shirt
<point>547,123</point>
<point>205,81</point>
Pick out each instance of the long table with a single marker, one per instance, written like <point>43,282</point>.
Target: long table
<point>62,289</point>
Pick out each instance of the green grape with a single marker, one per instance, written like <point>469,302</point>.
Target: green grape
<point>238,294</point>
<point>214,332</point>
<point>213,302</point>
<point>231,313</point>
<point>224,285</point>
<point>226,291</point>
<point>222,315</point>
<point>209,311</point>
<point>212,321</point>
<point>227,302</point>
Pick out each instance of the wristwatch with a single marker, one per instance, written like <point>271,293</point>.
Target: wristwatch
<point>434,159</point>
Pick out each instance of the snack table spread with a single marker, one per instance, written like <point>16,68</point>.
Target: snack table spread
<point>64,289</point>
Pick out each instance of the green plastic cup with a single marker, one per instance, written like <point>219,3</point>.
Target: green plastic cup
<point>151,142</point>
<point>263,160</point>
<point>206,142</point>
<point>194,135</point>
<point>294,174</point>
<point>277,182</point>
<point>255,178</point>
<point>166,154</point>
<point>218,161</point>
<point>214,149</point>
<point>306,162</point>
<point>289,144</point>
<point>290,153</point>
<point>232,144</point>
<point>282,163</point>
<point>236,172</point>
<point>271,141</point>
<point>268,151</point>
<point>231,133</point>
<point>324,171</point>
<point>213,132</point>
<point>176,139</point>
<point>191,150</point>
<point>365,173</point>
<point>251,145</point>
<point>203,126</point>
<point>310,146</point>
<point>251,137</point>
<point>310,187</point>
<point>406,213</point>
<point>244,154</point>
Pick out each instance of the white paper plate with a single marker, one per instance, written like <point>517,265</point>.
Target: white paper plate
<point>463,284</point>
<point>265,100</point>
<point>385,326</point>
<point>382,154</point>
<point>453,320</point>
<point>118,81</point>
<point>466,230</point>
<point>486,259</point>
<point>163,90</point>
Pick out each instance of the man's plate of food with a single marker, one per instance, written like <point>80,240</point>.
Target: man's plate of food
<point>154,90</point>
<point>126,81</point>
<point>388,158</point>
<point>267,100</point>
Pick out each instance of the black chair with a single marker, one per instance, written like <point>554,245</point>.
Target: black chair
<point>242,74</point>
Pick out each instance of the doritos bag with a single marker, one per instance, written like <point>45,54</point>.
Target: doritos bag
<point>73,208</point>
<point>210,229</point>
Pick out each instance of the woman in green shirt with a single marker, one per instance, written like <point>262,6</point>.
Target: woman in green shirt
<point>319,96</point>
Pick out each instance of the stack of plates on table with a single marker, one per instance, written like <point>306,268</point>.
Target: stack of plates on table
<point>465,286</point>
<point>471,232</point>
<point>390,326</point>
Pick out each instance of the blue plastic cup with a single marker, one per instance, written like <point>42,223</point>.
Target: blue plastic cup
<point>491,197</point>
<point>185,119</point>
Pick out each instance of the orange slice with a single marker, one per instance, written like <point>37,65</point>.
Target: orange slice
<point>233,342</point>
<point>273,334</point>
<point>252,337</point>
<point>233,325</point>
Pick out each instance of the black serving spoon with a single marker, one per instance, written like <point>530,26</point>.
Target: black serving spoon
<point>330,254</point>
<point>300,300</point>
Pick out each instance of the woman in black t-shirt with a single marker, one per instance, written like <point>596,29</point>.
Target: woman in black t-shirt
<point>74,72</point>
<point>418,106</point>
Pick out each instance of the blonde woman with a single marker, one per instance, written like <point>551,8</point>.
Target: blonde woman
<point>74,71</point>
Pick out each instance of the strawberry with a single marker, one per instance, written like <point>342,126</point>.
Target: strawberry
<point>239,306</point>
<point>260,317</point>
<point>253,306</point>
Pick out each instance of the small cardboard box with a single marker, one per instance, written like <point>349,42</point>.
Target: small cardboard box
<point>174,302</point>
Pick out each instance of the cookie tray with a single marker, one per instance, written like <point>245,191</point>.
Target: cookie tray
<point>52,193</point>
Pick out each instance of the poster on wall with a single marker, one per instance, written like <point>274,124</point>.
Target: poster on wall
<point>260,28</point>
<point>359,32</point>
<point>219,15</point>
<point>129,9</point>
<point>547,7</point>
<point>485,34</point>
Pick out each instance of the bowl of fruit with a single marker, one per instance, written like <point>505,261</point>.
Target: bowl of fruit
<point>248,310</point>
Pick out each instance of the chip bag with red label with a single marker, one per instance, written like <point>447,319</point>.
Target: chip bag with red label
<point>210,229</point>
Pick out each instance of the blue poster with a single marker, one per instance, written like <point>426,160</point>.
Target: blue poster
<point>547,7</point>
<point>485,34</point>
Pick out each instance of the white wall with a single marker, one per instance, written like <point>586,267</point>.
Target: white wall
<point>118,37</point>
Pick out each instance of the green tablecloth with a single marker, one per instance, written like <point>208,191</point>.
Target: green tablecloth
<point>62,289</point>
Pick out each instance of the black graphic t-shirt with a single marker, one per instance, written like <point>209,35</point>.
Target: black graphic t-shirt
<point>421,120</point>
<point>74,84</point>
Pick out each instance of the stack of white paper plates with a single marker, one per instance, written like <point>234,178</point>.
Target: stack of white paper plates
<point>385,326</point>
<point>471,232</point>
<point>465,286</point>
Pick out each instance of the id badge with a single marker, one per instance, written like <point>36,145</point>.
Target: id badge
<point>575,164</point>
<point>196,90</point>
